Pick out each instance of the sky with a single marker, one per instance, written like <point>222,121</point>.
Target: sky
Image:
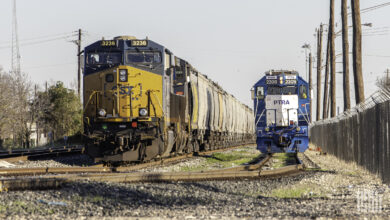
<point>233,42</point>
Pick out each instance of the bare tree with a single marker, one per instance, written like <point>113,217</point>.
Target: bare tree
<point>5,105</point>
<point>20,117</point>
<point>384,81</point>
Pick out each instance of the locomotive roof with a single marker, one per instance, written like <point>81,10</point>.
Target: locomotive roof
<point>123,43</point>
<point>279,72</point>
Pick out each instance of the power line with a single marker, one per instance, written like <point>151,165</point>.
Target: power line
<point>41,41</point>
<point>42,37</point>
<point>370,55</point>
<point>372,8</point>
<point>51,65</point>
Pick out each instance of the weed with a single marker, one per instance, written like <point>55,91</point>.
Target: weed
<point>283,159</point>
<point>297,191</point>
<point>87,198</point>
<point>3,208</point>
<point>224,160</point>
<point>94,199</point>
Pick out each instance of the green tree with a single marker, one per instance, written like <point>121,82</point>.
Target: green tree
<point>59,110</point>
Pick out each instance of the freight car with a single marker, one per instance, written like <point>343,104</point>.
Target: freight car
<point>143,102</point>
<point>282,110</point>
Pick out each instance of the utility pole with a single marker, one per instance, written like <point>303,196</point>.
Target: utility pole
<point>332,62</point>
<point>346,89</point>
<point>357,52</point>
<point>36,106</point>
<point>310,82</point>
<point>319,63</point>
<point>325,104</point>
<point>79,63</point>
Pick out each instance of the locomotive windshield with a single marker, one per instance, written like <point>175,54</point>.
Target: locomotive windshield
<point>104,58</point>
<point>288,90</point>
<point>148,57</point>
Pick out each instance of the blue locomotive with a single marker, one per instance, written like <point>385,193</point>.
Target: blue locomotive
<point>282,111</point>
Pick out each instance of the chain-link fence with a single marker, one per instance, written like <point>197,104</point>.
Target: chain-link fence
<point>361,134</point>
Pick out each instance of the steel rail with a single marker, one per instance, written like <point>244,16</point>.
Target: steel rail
<point>54,181</point>
<point>244,172</point>
<point>26,154</point>
<point>184,176</point>
<point>99,168</point>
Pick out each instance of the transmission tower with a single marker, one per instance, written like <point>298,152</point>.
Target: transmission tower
<point>15,62</point>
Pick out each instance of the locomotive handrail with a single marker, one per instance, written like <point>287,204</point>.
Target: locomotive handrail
<point>257,104</point>
<point>90,97</point>
<point>308,119</point>
<point>155,96</point>
<point>261,115</point>
<point>304,116</point>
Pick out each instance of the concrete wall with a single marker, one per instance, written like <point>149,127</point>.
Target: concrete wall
<point>363,137</point>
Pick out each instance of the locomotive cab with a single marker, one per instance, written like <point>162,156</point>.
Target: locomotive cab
<point>282,112</point>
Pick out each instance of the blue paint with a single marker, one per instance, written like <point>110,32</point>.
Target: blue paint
<point>278,139</point>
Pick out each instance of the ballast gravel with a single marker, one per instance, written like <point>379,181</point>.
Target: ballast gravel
<point>334,191</point>
<point>61,161</point>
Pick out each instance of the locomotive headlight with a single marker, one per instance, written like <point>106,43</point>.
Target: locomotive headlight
<point>123,75</point>
<point>102,112</point>
<point>143,112</point>
<point>298,129</point>
<point>266,129</point>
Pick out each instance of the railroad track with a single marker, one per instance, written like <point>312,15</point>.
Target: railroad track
<point>100,168</point>
<point>36,153</point>
<point>252,171</point>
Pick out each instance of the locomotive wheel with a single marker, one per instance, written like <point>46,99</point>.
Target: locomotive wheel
<point>196,146</point>
<point>153,150</point>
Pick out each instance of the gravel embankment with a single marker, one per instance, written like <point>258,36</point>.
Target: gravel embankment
<point>330,192</point>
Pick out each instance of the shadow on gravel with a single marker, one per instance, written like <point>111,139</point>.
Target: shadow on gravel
<point>136,195</point>
<point>168,195</point>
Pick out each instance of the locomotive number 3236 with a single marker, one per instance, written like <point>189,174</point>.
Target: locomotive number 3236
<point>108,43</point>
<point>139,43</point>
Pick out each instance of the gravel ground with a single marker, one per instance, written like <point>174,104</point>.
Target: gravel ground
<point>330,192</point>
<point>61,161</point>
<point>200,163</point>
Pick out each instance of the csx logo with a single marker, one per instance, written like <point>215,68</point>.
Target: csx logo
<point>281,102</point>
<point>123,90</point>
<point>127,90</point>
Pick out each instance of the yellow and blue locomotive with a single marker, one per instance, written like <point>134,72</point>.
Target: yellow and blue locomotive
<point>282,110</point>
<point>142,102</point>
